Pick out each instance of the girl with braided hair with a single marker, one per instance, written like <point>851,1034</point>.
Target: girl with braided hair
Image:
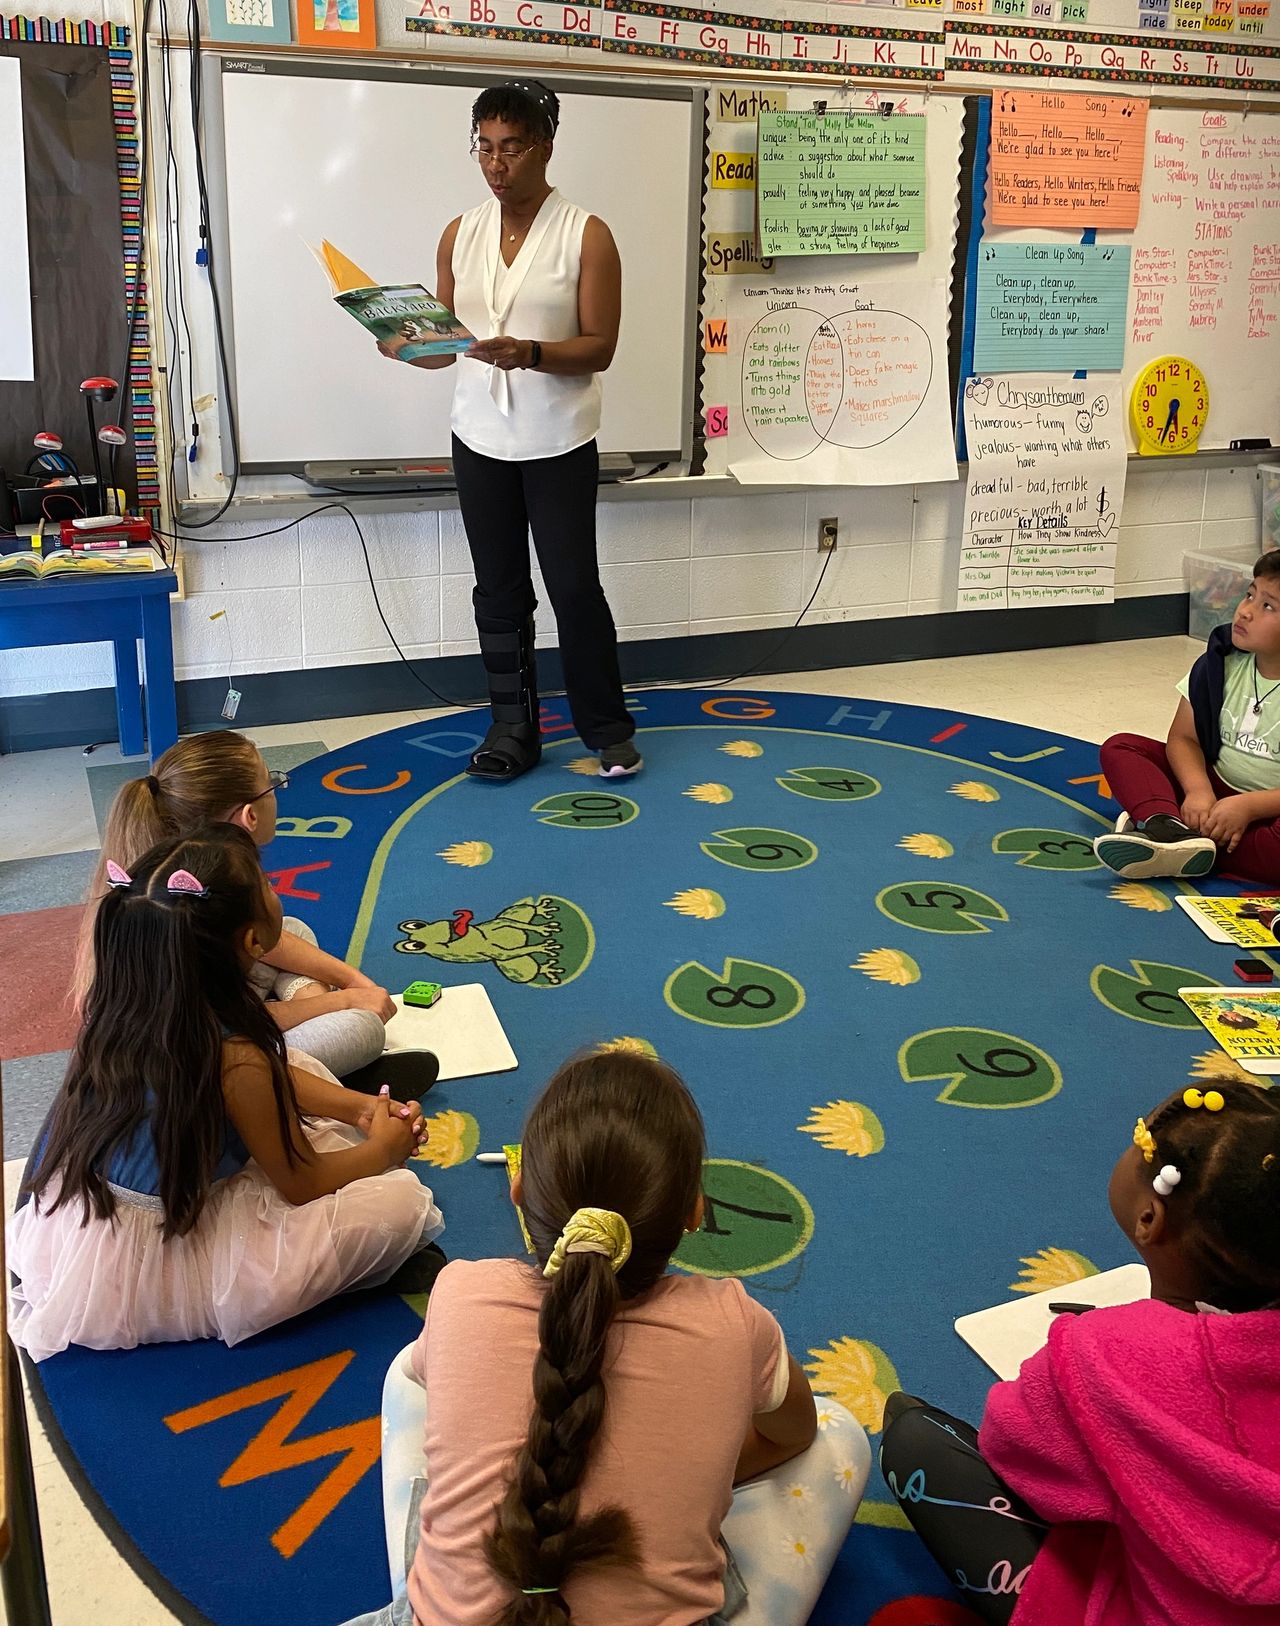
<point>1130,1474</point>
<point>587,1418</point>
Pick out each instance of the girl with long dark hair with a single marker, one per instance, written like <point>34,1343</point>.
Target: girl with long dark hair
<point>195,1179</point>
<point>583,1465</point>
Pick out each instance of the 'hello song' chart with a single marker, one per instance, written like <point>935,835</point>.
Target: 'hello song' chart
<point>851,379</point>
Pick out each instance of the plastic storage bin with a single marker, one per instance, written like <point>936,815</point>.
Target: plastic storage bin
<point>1216,583</point>
<point>1269,474</point>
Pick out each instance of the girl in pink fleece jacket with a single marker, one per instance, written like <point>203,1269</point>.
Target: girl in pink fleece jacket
<point>1130,1474</point>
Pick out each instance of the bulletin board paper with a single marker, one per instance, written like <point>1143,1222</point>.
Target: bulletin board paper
<point>1066,161</point>
<point>1044,493</point>
<point>1206,263</point>
<point>841,183</point>
<point>17,355</point>
<point>1050,307</point>
<point>839,368</point>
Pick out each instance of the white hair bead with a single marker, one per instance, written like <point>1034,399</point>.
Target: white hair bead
<point>1166,1180</point>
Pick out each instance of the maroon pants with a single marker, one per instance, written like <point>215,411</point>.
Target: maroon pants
<point>1141,780</point>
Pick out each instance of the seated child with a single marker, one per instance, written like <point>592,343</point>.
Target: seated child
<point>179,1191</point>
<point>1130,1474</point>
<point>329,1009</point>
<point>1211,794</point>
<point>585,1466</point>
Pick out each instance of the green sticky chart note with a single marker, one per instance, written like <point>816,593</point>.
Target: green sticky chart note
<point>841,183</point>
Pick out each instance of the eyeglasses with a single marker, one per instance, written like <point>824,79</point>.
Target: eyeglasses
<point>275,781</point>
<point>507,152</point>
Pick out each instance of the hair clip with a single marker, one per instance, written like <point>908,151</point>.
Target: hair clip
<point>116,876</point>
<point>1144,1140</point>
<point>1166,1180</point>
<point>182,880</point>
<point>1269,1162</point>
<point>1210,1100</point>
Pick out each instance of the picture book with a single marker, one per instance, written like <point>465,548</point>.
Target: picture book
<point>1244,1022</point>
<point>31,565</point>
<point>1246,922</point>
<point>403,316</point>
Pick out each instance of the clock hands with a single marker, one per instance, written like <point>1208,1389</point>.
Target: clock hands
<point>1171,422</point>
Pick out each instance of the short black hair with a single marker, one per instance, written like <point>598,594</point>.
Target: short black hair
<point>526,103</point>
<point>1268,565</point>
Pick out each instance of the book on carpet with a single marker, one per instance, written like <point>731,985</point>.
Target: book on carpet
<point>1244,1022</point>
<point>403,315</point>
<point>33,565</point>
<point>1246,922</point>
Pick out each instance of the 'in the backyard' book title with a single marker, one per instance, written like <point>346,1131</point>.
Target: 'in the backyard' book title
<point>403,316</point>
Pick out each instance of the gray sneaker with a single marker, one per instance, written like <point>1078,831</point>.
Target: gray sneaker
<point>618,761</point>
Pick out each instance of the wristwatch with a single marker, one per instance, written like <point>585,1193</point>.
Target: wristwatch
<point>535,353</point>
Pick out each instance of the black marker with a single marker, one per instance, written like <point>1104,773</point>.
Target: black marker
<point>1070,1309</point>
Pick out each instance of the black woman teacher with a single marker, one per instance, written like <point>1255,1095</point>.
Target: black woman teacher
<point>539,282</point>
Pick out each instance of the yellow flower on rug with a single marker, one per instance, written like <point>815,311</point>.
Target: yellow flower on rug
<point>627,1046</point>
<point>1217,1064</point>
<point>452,1138</point>
<point>925,846</point>
<point>1140,896</point>
<point>742,748</point>
<point>1052,1267</point>
<point>858,1374</point>
<point>973,790</point>
<point>887,965</point>
<point>713,795</point>
<point>698,903</point>
<point>470,854</point>
<point>588,767</point>
<point>845,1126</point>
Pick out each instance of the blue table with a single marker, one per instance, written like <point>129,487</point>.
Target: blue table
<point>118,610</point>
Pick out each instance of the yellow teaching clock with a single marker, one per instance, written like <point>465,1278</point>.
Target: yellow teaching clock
<point>1168,407</point>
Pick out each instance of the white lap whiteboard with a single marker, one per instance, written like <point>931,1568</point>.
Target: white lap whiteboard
<point>376,160</point>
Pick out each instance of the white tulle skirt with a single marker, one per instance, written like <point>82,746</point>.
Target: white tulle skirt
<point>251,1261</point>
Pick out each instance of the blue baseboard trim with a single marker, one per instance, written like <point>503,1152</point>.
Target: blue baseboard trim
<point>41,721</point>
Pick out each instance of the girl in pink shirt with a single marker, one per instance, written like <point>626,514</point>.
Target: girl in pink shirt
<point>1130,1474</point>
<point>587,1417</point>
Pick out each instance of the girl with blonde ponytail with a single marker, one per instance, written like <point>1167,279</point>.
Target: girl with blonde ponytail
<point>588,1416</point>
<point>329,1010</point>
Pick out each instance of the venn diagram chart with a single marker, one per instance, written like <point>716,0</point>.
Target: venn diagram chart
<point>852,379</point>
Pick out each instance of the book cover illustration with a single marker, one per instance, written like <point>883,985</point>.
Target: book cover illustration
<point>1246,922</point>
<point>1245,1023</point>
<point>404,316</point>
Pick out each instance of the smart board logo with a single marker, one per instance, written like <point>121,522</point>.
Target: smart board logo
<point>234,64</point>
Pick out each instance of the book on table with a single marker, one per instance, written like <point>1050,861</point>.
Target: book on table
<point>32,565</point>
<point>404,316</point>
<point>1244,1022</point>
<point>1245,922</point>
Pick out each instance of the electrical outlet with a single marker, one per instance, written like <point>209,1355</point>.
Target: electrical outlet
<point>828,534</point>
<point>179,570</point>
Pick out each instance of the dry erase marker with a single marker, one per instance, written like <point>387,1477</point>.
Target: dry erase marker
<point>1070,1309</point>
<point>491,1157</point>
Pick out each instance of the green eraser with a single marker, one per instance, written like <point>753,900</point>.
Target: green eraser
<point>422,993</point>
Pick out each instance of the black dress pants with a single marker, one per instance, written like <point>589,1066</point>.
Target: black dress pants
<point>555,498</point>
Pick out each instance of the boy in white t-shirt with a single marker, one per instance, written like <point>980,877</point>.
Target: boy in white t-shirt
<point>1212,792</point>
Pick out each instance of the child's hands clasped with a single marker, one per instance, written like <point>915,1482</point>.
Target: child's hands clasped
<point>1227,821</point>
<point>1197,807</point>
<point>397,1130</point>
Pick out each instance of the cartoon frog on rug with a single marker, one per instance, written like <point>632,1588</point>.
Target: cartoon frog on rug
<point>543,942</point>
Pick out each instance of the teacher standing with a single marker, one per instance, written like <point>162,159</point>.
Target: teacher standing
<point>539,282</point>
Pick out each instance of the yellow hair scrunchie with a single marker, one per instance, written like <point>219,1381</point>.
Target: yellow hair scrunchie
<point>1144,1140</point>
<point>593,1230</point>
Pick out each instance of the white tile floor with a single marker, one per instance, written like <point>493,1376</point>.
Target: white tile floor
<point>1088,692</point>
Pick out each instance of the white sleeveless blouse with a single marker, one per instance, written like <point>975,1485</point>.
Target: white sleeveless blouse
<point>521,414</point>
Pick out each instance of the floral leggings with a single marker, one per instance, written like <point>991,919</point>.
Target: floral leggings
<point>984,1536</point>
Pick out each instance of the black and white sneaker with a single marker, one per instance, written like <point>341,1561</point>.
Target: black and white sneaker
<point>1159,846</point>
<point>619,761</point>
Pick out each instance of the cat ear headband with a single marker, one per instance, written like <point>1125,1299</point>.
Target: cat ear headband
<point>181,881</point>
